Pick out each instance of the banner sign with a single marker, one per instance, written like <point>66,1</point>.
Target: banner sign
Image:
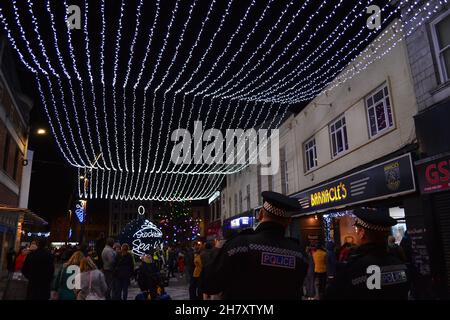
<point>390,178</point>
<point>434,174</point>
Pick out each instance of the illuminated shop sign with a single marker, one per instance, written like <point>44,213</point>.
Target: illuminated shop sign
<point>434,174</point>
<point>214,197</point>
<point>240,222</point>
<point>332,194</point>
<point>390,178</point>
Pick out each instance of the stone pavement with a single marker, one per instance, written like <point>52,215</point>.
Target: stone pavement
<point>178,289</point>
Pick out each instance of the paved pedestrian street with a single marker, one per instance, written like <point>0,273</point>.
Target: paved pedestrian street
<point>178,289</point>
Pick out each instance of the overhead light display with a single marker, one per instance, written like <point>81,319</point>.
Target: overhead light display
<point>114,90</point>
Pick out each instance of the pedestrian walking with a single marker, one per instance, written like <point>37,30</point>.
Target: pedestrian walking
<point>181,264</point>
<point>92,281</point>
<point>206,257</point>
<point>148,278</point>
<point>123,271</point>
<point>320,270</point>
<point>38,268</point>
<point>108,259</point>
<point>372,229</point>
<point>189,264</point>
<point>261,264</point>
<point>309,284</point>
<point>10,259</point>
<point>20,259</point>
<point>100,244</point>
<point>62,285</point>
<point>194,293</point>
<point>171,261</point>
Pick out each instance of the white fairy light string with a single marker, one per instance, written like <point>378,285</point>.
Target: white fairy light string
<point>263,77</point>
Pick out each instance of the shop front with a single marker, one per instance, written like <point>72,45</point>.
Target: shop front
<point>433,171</point>
<point>327,209</point>
<point>434,183</point>
<point>16,226</point>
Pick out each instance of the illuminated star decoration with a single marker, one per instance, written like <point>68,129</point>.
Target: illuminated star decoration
<point>116,89</point>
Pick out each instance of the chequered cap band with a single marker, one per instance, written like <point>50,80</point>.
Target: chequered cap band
<point>370,226</point>
<point>274,210</point>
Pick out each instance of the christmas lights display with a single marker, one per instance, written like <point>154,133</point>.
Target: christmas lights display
<point>328,219</point>
<point>177,224</point>
<point>36,234</point>
<point>142,235</point>
<point>115,89</point>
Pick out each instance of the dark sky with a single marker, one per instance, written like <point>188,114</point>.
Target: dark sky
<point>53,180</point>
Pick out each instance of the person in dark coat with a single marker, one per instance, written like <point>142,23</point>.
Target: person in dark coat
<point>189,263</point>
<point>148,277</point>
<point>123,271</point>
<point>10,259</point>
<point>261,264</point>
<point>331,261</point>
<point>99,246</point>
<point>171,261</point>
<point>358,278</point>
<point>39,268</point>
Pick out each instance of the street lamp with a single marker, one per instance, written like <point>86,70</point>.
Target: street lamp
<point>41,131</point>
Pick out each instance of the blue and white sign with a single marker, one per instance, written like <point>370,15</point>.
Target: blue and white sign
<point>143,236</point>
<point>242,222</point>
<point>80,210</point>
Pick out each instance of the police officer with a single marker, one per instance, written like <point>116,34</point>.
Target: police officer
<point>371,272</point>
<point>261,263</point>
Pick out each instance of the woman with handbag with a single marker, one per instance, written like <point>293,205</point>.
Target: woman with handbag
<point>62,284</point>
<point>92,281</point>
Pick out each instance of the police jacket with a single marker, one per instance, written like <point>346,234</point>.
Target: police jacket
<point>359,279</point>
<point>260,264</point>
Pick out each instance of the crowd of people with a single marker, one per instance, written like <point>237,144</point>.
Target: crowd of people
<point>100,272</point>
<point>323,261</point>
<point>104,271</point>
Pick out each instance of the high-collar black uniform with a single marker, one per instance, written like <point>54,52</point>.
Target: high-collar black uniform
<point>352,278</point>
<point>260,264</point>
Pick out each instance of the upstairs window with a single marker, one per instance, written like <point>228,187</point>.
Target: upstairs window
<point>379,111</point>
<point>310,154</point>
<point>441,39</point>
<point>338,135</point>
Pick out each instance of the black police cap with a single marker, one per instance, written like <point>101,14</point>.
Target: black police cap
<point>377,219</point>
<point>279,204</point>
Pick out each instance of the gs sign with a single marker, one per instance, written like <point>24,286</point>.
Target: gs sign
<point>434,176</point>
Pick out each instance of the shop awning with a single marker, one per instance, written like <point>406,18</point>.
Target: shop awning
<point>30,217</point>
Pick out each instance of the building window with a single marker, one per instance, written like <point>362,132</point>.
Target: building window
<point>441,37</point>
<point>310,154</point>
<point>248,197</point>
<point>379,111</point>
<point>284,172</point>
<point>240,201</point>
<point>338,135</point>
<point>6,148</point>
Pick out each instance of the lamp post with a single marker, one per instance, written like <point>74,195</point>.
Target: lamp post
<point>85,186</point>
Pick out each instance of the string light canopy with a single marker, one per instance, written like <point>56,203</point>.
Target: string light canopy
<point>115,89</point>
